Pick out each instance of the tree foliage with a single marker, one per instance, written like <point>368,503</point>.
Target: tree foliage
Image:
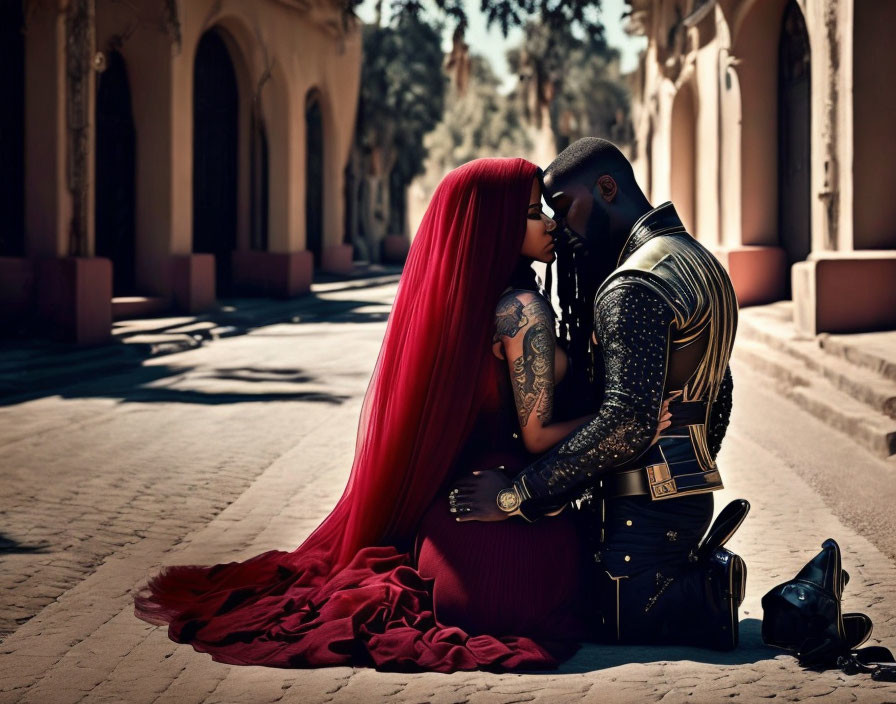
<point>584,15</point>
<point>577,78</point>
<point>478,121</point>
<point>401,99</point>
<point>402,92</point>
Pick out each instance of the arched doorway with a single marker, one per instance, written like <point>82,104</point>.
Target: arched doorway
<point>682,157</point>
<point>12,129</point>
<point>314,174</point>
<point>115,176</point>
<point>794,145</point>
<point>215,156</point>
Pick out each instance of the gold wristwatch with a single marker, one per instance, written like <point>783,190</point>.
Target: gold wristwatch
<point>509,500</point>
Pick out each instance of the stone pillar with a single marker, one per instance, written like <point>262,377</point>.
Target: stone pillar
<point>72,291</point>
<point>275,274</point>
<point>337,259</point>
<point>843,292</point>
<point>193,282</point>
<point>758,274</point>
<point>48,203</point>
<point>16,293</point>
<point>74,299</point>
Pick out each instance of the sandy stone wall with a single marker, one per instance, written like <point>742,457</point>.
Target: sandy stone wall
<point>737,101</point>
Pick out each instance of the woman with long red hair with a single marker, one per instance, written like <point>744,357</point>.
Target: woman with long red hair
<point>391,578</point>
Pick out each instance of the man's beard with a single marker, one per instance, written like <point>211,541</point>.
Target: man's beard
<point>602,251</point>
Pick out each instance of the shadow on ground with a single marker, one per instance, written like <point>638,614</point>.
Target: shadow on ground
<point>594,656</point>
<point>36,369</point>
<point>133,386</point>
<point>8,546</point>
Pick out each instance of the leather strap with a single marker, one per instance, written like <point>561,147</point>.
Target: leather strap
<point>875,660</point>
<point>628,482</point>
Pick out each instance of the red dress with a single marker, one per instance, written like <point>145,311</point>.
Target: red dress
<point>507,578</point>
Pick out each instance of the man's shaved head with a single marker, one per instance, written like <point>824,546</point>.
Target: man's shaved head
<point>596,200</point>
<point>585,160</point>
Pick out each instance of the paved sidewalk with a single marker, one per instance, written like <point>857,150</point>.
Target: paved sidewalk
<point>30,368</point>
<point>228,480</point>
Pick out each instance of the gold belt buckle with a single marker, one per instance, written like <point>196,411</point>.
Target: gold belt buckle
<point>659,476</point>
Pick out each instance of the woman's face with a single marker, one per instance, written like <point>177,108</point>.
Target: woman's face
<point>539,241</point>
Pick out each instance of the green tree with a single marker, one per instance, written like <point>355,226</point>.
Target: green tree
<point>569,87</point>
<point>402,98</point>
<point>557,15</point>
<point>402,95</point>
<point>478,121</point>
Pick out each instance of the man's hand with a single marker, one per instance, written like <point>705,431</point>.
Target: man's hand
<point>665,416</point>
<point>475,498</point>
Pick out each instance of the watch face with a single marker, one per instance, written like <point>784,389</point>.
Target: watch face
<point>508,500</point>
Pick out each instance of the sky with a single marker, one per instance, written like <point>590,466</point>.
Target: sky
<point>494,45</point>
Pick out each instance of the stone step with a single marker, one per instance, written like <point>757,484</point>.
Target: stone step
<point>875,351</point>
<point>815,393</point>
<point>851,365</point>
<point>129,307</point>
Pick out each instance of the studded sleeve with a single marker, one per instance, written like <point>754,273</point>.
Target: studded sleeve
<point>632,325</point>
<point>721,414</point>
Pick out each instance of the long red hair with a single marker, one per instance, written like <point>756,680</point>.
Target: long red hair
<point>429,379</point>
<point>294,608</point>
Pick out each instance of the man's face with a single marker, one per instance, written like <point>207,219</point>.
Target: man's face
<point>576,212</point>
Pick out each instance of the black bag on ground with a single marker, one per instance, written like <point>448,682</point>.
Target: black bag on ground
<point>804,616</point>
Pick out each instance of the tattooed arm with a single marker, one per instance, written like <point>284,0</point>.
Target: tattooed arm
<point>525,327</point>
<point>632,324</point>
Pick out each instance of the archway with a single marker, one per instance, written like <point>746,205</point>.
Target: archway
<point>314,175</point>
<point>115,175</point>
<point>12,129</point>
<point>215,155</point>
<point>683,156</point>
<point>794,140</point>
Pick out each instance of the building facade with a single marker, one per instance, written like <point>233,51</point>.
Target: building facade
<point>766,123</point>
<point>162,153</point>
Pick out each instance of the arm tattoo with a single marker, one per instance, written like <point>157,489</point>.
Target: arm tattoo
<point>632,324</point>
<point>512,315</point>
<point>508,318</point>
<point>533,374</point>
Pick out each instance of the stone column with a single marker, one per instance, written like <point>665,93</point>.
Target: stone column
<point>72,288</point>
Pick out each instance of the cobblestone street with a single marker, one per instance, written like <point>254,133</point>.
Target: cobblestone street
<point>243,444</point>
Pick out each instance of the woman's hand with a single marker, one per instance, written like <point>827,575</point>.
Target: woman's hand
<point>475,498</point>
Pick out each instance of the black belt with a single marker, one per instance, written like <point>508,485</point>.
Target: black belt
<point>633,482</point>
<point>627,482</point>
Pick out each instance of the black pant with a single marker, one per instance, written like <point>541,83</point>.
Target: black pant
<point>647,586</point>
